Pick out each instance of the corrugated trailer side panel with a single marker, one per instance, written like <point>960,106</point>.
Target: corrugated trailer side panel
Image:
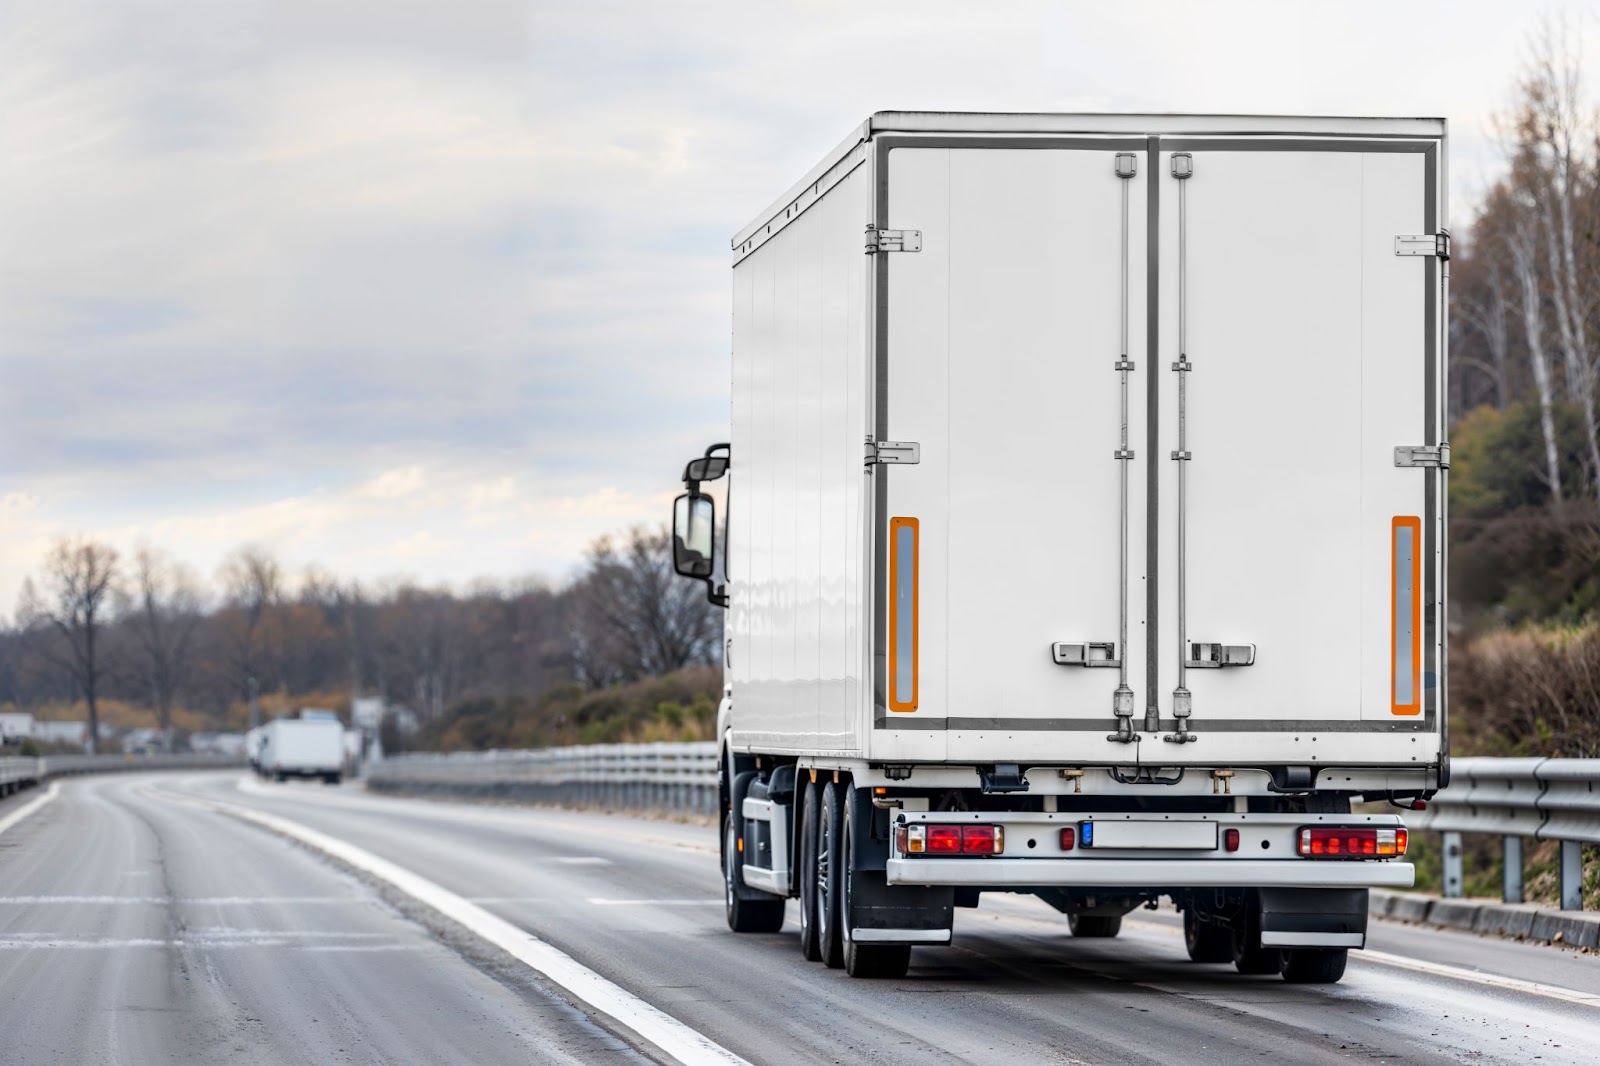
<point>797,536</point>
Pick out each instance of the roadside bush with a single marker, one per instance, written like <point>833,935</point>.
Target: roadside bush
<point>1531,692</point>
<point>679,706</point>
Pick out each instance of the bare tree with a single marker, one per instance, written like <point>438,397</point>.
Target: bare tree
<point>81,579</point>
<point>1520,243</point>
<point>635,617</point>
<point>1552,124</point>
<point>1486,310</point>
<point>252,583</point>
<point>164,615</point>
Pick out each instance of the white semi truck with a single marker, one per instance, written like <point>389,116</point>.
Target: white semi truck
<point>1085,530</point>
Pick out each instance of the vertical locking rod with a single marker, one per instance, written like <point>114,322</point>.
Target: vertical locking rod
<point>1182,700</point>
<point>1127,165</point>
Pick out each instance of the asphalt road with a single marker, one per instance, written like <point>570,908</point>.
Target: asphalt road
<point>140,922</point>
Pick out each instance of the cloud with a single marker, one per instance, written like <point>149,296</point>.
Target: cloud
<point>393,484</point>
<point>333,274</point>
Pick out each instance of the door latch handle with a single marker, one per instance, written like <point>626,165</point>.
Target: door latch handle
<point>1206,656</point>
<point>1086,653</point>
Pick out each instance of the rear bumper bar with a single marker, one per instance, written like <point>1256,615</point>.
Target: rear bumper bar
<point>1150,873</point>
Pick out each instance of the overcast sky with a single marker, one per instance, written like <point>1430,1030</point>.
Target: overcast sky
<point>441,288</point>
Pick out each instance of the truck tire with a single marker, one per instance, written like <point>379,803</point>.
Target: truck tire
<point>1206,941</point>
<point>1313,966</point>
<point>330,779</point>
<point>865,960</point>
<point>1094,925</point>
<point>1248,954</point>
<point>810,822</point>
<point>827,875</point>
<point>280,778</point>
<point>764,912</point>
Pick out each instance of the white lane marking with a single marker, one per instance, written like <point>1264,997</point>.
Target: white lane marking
<point>47,941</point>
<point>1437,969</point>
<point>583,860</point>
<point>654,902</point>
<point>136,901</point>
<point>1513,984</point>
<point>683,1043</point>
<point>31,806</point>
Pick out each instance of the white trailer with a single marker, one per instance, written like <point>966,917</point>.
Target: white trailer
<point>1138,581</point>
<point>303,747</point>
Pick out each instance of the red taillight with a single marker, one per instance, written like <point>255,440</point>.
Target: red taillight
<point>1230,839</point>
<point>955,840</point>
<point>1069,838</point>
<point>1346,843</point>
<point>979,839</point>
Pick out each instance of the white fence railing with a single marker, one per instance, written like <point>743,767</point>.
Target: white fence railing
<point>21,771</point>
<point>663,776</point>
<point>1518,799</point>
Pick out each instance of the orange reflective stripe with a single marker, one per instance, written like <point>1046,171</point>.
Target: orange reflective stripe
<point>1405,614</point>
<point>904,534</point>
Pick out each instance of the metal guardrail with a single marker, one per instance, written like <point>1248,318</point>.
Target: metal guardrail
<point>1518,799</point>
<point>22,771</point>
<point>661,776</point>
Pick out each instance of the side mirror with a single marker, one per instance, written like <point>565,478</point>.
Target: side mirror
<point>694,534</point>
<point>706,468</point>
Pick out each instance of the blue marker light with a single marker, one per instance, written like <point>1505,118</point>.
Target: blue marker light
<point>1086,834</point>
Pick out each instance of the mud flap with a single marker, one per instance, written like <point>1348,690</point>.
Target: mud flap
<point>1313,917</point>
<point>874,903</point>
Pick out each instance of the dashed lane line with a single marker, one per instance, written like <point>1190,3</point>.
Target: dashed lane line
<point>682,1042</point>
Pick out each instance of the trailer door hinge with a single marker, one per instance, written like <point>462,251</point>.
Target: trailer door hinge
<point>1435,455</point>
<point>1424,244</point>
<point>897,452</point>
<point>893,240</point>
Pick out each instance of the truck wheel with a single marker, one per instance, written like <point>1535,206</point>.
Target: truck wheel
<point>280,778</point>
<point>1313,966</point>
<point>763,914</point>
<point>1206,941</point>
<point>865,960</point>
<point>1248,954</point>
<point>828,875</point>
<point>1094,925</point>
<point>330,779</point>
<point>810,819</point>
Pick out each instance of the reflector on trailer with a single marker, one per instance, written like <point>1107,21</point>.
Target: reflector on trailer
<point>903,534</point>
<point>1069,838</point>
<point>1230,839</point>
<point>1405,613</point>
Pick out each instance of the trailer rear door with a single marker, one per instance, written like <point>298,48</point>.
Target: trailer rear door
<point>1300,556</point>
